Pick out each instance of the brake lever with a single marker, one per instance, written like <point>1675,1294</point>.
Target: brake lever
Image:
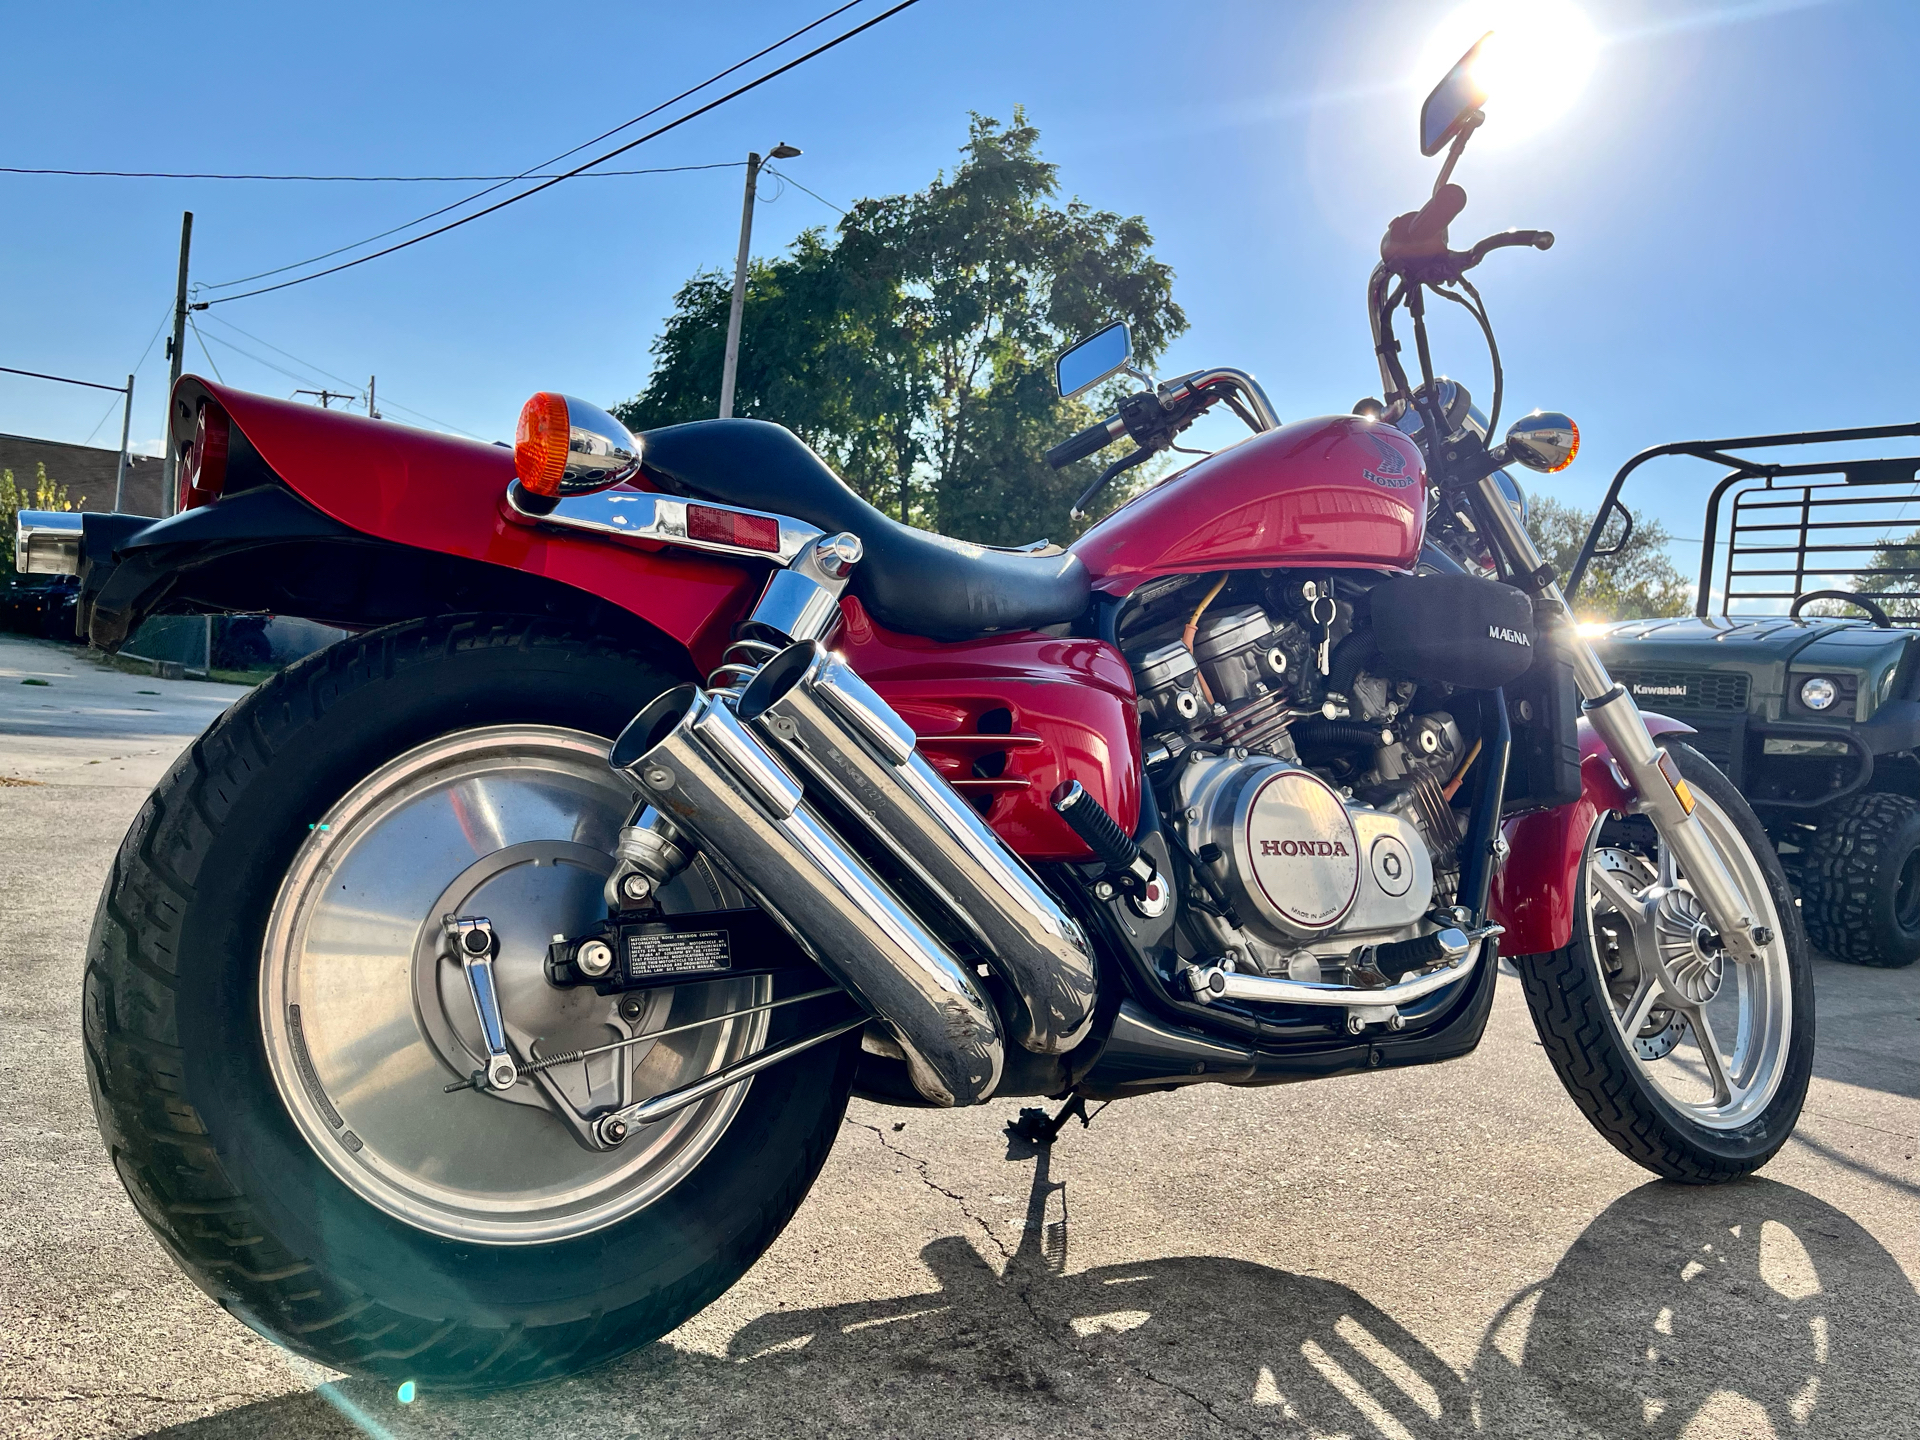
<point>1118,467</point>
<point>1439,267</point>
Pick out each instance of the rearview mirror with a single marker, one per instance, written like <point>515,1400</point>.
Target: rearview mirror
<point>1086,363</point>
<point>1453,100</point>
<point>1545,441</point>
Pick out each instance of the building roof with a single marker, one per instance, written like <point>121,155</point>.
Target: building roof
<point>86,471</point>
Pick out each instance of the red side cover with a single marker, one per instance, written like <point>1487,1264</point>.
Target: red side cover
<point>440,493</point>
<point>1535,893</point>
<point>1010,717</point>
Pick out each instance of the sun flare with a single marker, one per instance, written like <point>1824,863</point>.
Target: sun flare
<point>1533,68</point>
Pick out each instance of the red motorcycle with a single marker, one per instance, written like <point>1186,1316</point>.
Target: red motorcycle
<point>476,1001</point>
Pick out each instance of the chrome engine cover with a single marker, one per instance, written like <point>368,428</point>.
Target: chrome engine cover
<point>1300,861</point>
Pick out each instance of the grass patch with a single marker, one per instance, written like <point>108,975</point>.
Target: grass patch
<point>241,677</point>
<point>17,780</point>
<point>31,681</point>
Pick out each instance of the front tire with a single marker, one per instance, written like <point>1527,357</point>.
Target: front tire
<point>221,1154</point>
<point>1640,1069</point>
<point>1860,882</point>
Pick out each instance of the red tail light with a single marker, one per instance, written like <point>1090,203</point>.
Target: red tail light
<point>204,475</point>
<point>730,527</point>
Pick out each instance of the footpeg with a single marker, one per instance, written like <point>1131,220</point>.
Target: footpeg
<point>476,944</point>
<point>1127,864</point>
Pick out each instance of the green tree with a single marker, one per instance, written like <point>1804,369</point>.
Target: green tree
<point>42,494</point>
<point>912,346</point>
<point>1893,572</point>
<point>1638,583</point>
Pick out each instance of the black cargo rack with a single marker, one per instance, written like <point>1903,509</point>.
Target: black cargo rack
<point>1783,514</point>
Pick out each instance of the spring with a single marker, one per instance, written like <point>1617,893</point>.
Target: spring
<point>1350,734</point>
<point>740,663</point>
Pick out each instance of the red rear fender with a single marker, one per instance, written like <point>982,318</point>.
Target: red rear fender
<point>436,492</point>
<point>1534,893</point>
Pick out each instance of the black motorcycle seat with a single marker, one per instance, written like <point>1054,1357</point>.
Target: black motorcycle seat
<point>909,580</point>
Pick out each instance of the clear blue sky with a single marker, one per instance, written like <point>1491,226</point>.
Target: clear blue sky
<point>1733,191</point>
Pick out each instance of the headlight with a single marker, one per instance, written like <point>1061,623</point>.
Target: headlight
<point>1819,693</point>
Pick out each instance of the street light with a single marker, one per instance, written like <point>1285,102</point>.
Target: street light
<point>782,151</point>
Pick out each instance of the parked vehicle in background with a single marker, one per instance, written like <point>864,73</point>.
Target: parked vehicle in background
<point>42,607</point>
<point>1804,687</point>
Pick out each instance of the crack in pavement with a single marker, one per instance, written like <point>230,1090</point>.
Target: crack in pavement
<point>1023,1291</point>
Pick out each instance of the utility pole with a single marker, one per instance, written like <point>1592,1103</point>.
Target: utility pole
<point>782,151</point>
<point>176,348</point>
<point>126,428</point>
<point>327,397</point>
<point>372,414</point>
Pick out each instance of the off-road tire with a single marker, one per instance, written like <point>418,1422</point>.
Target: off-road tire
<point>200,1136</point>
<point>1574,1018</point>
<point>1850,891</point>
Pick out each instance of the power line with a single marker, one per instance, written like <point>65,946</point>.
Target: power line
<point>165,315</point>
<point>101,421</point>
<point>311,367</point>
<point>551,160</point>
<point>64,380</point>
<point>312,370</point>
<point>567,175</point>
<point>206,352</point>
<point>349,179</point>
<point>788,179</point>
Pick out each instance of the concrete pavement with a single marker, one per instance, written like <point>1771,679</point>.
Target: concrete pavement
<point>1432,1253</point>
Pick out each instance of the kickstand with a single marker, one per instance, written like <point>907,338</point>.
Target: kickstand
<point>1036,1127</point>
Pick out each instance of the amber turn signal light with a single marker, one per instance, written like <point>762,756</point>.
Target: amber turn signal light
<point>1572,450</point>
<point>540,444</point>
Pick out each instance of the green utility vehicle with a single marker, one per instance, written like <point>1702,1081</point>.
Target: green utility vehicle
<point>1805,686</point>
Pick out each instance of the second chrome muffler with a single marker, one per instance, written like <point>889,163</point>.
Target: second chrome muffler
<point>717,783</point>
<point>814,710</point>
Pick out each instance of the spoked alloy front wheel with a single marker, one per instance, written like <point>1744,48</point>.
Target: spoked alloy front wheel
<point>1689,1061</point>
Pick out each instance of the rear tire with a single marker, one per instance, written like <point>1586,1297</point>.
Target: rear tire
<point>1860,882</point>
<point>1576,1015</point>
<point>201,1135</point>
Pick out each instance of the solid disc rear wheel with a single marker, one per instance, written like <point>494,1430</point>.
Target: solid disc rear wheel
<point>311,1173</point>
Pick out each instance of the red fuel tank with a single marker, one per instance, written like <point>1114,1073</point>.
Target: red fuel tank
<point>1339,492</point>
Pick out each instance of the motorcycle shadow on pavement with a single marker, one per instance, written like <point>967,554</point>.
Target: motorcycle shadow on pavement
<point>1746,1310</point>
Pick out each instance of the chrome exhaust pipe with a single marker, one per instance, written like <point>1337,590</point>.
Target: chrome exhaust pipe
<point>814,710</point>
<point>713,781</point>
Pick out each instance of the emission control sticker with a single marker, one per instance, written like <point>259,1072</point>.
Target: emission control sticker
<point>686,952</point>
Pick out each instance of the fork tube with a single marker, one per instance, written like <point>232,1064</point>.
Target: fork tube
<point>1618,719</point>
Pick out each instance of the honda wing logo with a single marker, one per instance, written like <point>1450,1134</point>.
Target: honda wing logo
<point>1390,470</point>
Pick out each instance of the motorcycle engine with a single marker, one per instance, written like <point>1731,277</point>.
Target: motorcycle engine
<point>1311,783</point>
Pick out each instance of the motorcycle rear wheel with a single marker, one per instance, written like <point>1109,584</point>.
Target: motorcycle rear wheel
<point>1703,1094</point>
<point>421,1268</point>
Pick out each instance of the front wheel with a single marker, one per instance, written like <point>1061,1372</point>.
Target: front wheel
<point>273,1022</point>
<point>1690,1063</point>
